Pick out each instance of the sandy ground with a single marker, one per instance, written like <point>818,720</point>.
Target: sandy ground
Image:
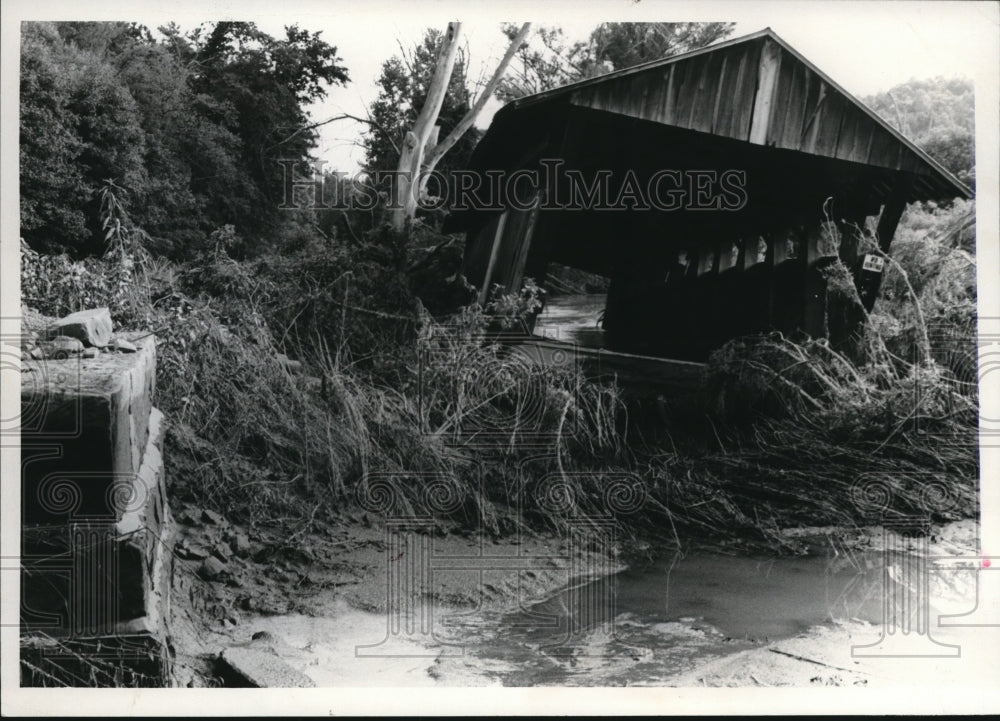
<point>321,593</point>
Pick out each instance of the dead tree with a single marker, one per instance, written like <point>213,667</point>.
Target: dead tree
<point>421,152</point>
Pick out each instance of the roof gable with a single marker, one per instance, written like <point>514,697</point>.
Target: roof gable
<point>760,90</point>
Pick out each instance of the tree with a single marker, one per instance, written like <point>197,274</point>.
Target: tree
<point>190,128</point>
<point>420,151</point>
<point>411,152</point>
<point>261,87</point>
<point>189,158</point>
<point>79,127</point>
<point>610,46</point>
<point>403,86</point>
<point>435,155</point>
<point>938,115</point>
<point>53,190</point>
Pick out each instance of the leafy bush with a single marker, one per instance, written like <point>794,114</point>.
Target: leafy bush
<point>514,310</point>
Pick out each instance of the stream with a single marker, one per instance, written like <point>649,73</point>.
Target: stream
<point>573,319</point>
<point>641,626</point>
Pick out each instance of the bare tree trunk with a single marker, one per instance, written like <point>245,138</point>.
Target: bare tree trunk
<point>434,153</point>
<point>412,152</point>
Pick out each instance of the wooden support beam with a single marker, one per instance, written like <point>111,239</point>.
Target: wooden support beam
<point>850,239</point>
<point>494,250</point>
<point>821,251</point>
<point>822,243</point>
<point>869,281</point>
<point>524,247</point>
<point>707,260</point>
<point>889,219</point>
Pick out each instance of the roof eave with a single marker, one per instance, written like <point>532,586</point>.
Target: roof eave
<point>959,188</point>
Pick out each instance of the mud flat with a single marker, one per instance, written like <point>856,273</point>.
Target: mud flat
<point>326,594</point>
<point>326,599</point>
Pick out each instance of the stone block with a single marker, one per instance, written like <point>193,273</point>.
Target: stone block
<point>93,327</point>
<point>244,667</point>
<point>100,573</point>
<point>136,652</point>
<point>84,430</point>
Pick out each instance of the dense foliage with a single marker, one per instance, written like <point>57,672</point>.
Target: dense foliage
<point>938,114</point>
<point>190,126</point>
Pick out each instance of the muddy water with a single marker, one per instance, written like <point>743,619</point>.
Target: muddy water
<point>638,627</point>
<point>755,597</point>
<point>573,318</point>
<point>644,626</point>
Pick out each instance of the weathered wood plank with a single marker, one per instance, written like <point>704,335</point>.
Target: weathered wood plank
<point>669,100</point>
<point>767,74</point>
<point>704,98</point>
<point>793,98</point>
<point>909,161</point>
<point>728,94</point>
<point>720,84</point>
<point>883,150</point>
<point>744,94</point>
<point>829,124</point>
<point>889,219</point>
<point>780,106</point>
<point>814,117</point>
<point>651,88</point>
<point>687,93</point>
<point>735,97</point>
<point>524,247</point>
<point>478,249</point>
<point>510,249</point>
<point>854,135</point>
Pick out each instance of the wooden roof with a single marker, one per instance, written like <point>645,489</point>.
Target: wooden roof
<point>756,89</point>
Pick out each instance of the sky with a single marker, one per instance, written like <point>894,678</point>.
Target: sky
<point>865,46</point>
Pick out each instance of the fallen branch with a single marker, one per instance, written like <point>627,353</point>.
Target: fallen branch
<point>342,116</point>
<point>818,663</point>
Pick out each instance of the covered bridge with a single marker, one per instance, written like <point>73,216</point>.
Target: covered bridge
<point>712,188</point>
